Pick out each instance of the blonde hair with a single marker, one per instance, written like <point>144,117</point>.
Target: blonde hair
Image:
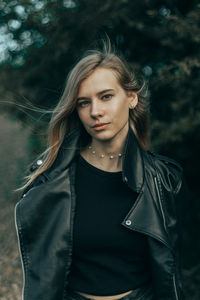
<point>65,118</point>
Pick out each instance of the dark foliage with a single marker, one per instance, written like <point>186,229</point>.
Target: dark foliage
<point>159,38</point>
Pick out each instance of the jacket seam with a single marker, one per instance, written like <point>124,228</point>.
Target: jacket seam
<point>166,221</point>
<point>70,241</point>
<point>157,175</point>
<point>25,258</point>
<point>175,287</point>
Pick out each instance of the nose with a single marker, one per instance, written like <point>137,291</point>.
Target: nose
<point>96,109</point>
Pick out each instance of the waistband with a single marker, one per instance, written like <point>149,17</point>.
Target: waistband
<point>142,293</point>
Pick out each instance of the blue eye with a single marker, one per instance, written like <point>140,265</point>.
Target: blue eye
<point>107,96</point>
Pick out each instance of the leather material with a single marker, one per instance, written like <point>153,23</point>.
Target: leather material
<point>44,219</point>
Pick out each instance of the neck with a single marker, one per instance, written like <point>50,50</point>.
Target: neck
<point>105,149</point>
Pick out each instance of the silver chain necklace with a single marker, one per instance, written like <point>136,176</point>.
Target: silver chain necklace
<point>103,155</point>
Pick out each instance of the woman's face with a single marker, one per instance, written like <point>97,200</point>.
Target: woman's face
<point>103,105</point>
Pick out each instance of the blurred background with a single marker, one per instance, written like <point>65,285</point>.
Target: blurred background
<point>39,43</point>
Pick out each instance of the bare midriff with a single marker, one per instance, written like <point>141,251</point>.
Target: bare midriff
<point>118,296</point>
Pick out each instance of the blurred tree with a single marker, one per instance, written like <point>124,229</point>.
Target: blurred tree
<point>41,40</point>
<point>161,38</point>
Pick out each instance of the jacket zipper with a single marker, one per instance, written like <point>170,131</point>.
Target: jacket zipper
<point>175,289</point>
<point>18,241</point>
<point>159,199</point>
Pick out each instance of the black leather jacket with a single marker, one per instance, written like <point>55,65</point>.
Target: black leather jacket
<point>45,213</point>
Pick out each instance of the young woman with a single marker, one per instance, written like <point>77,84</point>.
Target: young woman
<point>99,217</point>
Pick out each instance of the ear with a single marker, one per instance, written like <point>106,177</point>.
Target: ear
<point>133,99</point>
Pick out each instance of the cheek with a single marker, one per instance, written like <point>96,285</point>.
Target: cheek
<point>82,116</point>
<point>120,111</point>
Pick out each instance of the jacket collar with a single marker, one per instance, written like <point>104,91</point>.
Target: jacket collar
<point>132,164</point>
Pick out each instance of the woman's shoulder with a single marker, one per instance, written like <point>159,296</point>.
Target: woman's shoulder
<point>168,169</point>
<point>164,160</point>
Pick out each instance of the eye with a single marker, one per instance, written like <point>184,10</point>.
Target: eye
<point>83,103</point>
<point>107,96</point>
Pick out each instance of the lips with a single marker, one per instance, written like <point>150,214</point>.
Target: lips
<point>99,125</point>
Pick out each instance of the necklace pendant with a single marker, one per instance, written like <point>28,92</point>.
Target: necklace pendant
<point>103,155</point>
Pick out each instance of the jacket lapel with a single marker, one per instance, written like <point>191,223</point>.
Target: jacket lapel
<point>133,164</point>
<point>144,216</point>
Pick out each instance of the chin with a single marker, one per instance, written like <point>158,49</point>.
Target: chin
<point>103,136</point>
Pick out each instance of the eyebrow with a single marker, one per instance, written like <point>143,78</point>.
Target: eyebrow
<point>98,94</point>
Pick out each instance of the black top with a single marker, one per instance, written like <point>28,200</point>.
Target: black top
<point>107,258</point>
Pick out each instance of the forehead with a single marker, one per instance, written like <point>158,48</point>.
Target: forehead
<point>100,79</point>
